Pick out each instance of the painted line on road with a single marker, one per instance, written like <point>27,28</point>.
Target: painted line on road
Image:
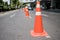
<point>30,17</point>
<point>12,15</point>
<point>48,36</point>
<point>45,15</point>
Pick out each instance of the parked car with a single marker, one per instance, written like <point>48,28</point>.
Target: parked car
<point>29,7</point>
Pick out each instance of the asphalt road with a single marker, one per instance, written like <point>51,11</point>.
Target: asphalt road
<point>16,26</point>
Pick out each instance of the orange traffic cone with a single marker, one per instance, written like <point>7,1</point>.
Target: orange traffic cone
<point>38,26</point>
<point>26,11</point>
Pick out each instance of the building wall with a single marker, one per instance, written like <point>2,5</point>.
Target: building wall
<point>57,4</point>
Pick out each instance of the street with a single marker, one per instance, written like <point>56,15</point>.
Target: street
<point>16,26</point>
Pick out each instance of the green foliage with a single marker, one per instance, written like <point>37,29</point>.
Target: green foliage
<point>1,4</point>
<point>14,4</point>
<point>5,6</point>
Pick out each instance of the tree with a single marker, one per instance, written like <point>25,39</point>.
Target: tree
<point>14,3</point>
<point>1,5</point>
<point>1,2</point>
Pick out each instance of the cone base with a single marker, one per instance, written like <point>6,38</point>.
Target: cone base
<point>44,33</point>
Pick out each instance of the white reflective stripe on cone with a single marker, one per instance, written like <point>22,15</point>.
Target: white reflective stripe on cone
<point>38,6</point>
<point>38,13</point>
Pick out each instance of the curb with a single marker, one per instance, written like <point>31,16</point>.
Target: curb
<point>8,12</point>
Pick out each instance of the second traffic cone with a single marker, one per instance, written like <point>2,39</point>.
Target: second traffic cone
<point>26,11</point>
<point>38,26</point>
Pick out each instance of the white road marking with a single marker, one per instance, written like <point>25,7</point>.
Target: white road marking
<point>30,17</point>
<point>45,15</point>
<point>12,15</point>
<point>48,36</point>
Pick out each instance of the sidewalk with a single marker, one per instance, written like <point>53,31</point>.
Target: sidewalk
<point>8,12</point>
<point>53,10</point>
